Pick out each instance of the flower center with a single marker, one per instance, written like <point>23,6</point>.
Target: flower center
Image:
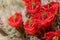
<point>33,4</point>
<point>55,38</point>
<point>15,17</point>
<point>49,4</point>
<point>30,22</point>
<point>44,15</point>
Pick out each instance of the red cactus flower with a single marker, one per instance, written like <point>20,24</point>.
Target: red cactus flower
<point>52,36</point>
<point>33,9</point>
<point>15,20</point>
<point>32,27</point>
<point>32,6</point>
<point>46,19</point>
<point>51,7</point>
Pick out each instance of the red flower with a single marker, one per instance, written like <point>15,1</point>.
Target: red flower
<point>51,10</point>
<point>32,27</point>
<point>16,20</point>
<point>51,7</point>
<point>46,19</point>
<point>52,36</point>
<point>32,6</point>
<point>33,10</point>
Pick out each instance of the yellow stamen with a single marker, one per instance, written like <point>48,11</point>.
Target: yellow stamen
<point>15,17</point>
<point>49,3</point>
<point>33,3</point>
<point>30,21</point>
<point>44,15</point>
<point>55,38</point>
